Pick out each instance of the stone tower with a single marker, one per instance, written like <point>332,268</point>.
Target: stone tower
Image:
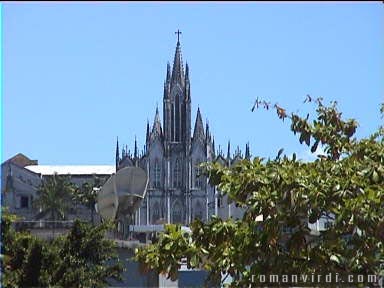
<point>177,193</point>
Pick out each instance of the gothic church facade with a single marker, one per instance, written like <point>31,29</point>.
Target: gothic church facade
<point>177,193</point>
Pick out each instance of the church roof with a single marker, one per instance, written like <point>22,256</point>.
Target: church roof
<point>156,128</point>
<point>72,169</point>
<point>198,132</point>
<point>178,70</point>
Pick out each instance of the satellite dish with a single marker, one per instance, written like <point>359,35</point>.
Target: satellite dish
<point>121,195</point>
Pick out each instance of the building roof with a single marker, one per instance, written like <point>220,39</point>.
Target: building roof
<point>21,160</point>
<point>72,169</point>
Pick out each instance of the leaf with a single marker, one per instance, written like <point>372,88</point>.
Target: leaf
<point>302,137</point>
<point>375,177</point>
<point>307,139</point>
<point>279,153</point>
<point>335,258</point>
<point>314,146</point>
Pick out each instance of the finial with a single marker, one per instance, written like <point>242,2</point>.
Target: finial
<point>186,71</point>
<point>168,72</point>
<point>229,149</point>
<point>178,32</point>
<point>135,147</point>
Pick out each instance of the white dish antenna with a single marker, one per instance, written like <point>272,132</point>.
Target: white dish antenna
<point>121,195</point>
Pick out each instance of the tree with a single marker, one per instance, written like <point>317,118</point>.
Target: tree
<point>346,185</point>
<point>54,197</point>
<point>87,194</point>
<point>25,258</point>
<point>88,259</point>
<point>83,258</point>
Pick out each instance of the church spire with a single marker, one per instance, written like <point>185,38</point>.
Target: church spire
<point>147,135</point>
<point>117,153</point>
<point>178,70</point>
<point>229,150</point>
<point>247,152</point>
<point>156,128</point>
<point>186,72</point>
<point>135,153</point>
<point>199,128</point>
<point>168,72</point>
<point>207,134</point>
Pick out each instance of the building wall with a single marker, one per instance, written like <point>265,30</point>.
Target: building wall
<point>18,189</point>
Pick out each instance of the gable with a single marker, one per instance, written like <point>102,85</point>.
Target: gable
<point>21,160</point>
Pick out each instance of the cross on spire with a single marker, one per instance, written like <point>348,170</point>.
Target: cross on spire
<point>178,32</point>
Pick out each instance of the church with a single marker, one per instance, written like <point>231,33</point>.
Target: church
<point>177,193</point>
<point>172,153</point>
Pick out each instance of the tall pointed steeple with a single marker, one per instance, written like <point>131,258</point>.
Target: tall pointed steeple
<point>135,153</point>
<point>117,159</point>
<point>229,150</point>
<point>186,72</point>
<point>177,101</point>
<point>147,135</point>
<point>168,72</point>
<point>156,128</point>
<point>178,70</point>
<point>187,89</point>
<point>247,152</point>
<point>167,82</point>
<point>198,133</point>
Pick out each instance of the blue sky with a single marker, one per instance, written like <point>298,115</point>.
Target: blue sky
<point>76,75</point>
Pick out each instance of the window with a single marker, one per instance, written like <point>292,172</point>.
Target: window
<point>177,213</point>
<point>198,211</point>
<point>157,173</point>
<point>197,176</point>
<point>24,202</point>
<point>156,212</point>
<point>177,175</point>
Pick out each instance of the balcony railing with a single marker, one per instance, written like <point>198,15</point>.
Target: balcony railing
<point>43,224</point>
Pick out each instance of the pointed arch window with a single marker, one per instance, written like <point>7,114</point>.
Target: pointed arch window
<point>197,175</point>
<point>198,211</point>
<point>177,174</point>
<point>157,174</point>
<point>177,213</point>
<point>156,212</point>
<point>177,118</point>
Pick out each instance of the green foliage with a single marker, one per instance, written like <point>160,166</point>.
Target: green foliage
<point>83,258</point>
<point>21,255</point>
<point>168,252</point>
<point>54,196</point>
<point>87,195</point>
<point>346,185</point>
<point>86,257</point>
